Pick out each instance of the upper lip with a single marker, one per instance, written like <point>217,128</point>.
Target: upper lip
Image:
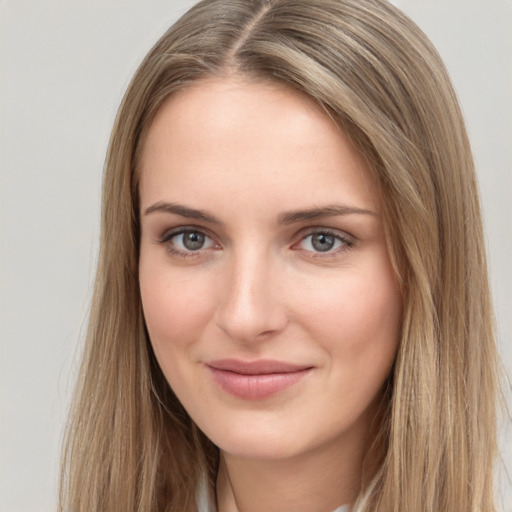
<point>258,367</point>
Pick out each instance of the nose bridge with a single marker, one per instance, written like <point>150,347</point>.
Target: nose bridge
<point>250,306</point>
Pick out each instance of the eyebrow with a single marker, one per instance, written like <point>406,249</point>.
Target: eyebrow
<point>331,210</point>
<point>290,217</point>
<point>182,211</point>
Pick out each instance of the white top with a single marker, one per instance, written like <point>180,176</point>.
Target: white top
<point>203,504</point>
<point>343,508</point>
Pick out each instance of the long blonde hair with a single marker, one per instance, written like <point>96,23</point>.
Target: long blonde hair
<point>131,446</point>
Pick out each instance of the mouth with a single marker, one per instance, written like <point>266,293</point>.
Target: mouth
<point>256,380</point>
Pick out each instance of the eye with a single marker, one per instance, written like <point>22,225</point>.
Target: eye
<point>187,241</point>
<point>324,242</point>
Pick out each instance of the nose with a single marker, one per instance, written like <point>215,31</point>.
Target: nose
<point>252,305</point>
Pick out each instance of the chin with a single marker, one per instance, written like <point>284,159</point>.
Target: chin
<point>259,449</point>
<point>262,440</point>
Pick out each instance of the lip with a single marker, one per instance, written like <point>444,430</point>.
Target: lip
<point>256,380</point>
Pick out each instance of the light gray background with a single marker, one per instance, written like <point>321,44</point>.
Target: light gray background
<point>63,68</point>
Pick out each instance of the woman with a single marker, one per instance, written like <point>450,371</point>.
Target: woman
<point>291,309</point>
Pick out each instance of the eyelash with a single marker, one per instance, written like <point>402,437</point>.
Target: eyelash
<point>166,239</point>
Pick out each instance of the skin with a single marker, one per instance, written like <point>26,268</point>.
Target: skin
<point>249,153</point>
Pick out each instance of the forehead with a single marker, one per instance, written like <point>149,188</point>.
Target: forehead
<point>237,137</point>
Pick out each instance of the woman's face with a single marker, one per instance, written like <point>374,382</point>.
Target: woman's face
<point>267,289</point>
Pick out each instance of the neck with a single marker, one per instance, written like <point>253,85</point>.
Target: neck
<point>321,480</point>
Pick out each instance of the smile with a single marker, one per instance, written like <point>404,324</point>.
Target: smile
<point>256,380</point>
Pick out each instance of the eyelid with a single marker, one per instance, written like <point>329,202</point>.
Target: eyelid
<point>340,233</point>
<point>178,230</point>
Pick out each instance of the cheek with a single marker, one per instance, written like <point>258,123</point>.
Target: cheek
<point>358,326</point>
<point>357,320</point>
<point>175,307</point>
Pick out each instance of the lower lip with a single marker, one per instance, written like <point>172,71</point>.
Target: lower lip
<point>256,387</point>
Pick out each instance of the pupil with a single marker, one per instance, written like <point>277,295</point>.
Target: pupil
<point>193,240</point>
<point>322,242</point>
